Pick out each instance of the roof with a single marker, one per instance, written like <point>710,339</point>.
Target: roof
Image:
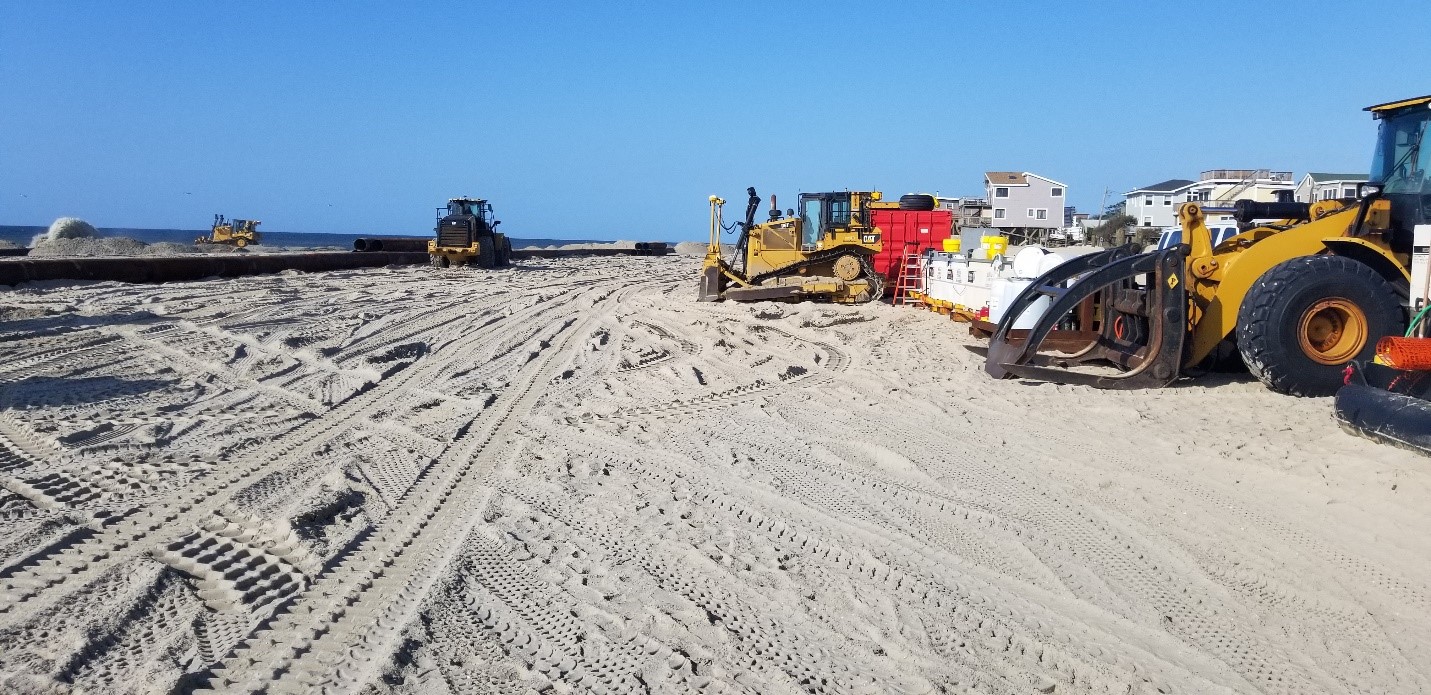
<point>1016,178</point>
<point>1394,105</point>
<point>1165,187</point>
<point>1321,177</point>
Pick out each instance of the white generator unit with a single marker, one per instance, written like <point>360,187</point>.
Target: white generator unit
<point>958,282</point>
<point>970,285</point>
<point>1420,294</point>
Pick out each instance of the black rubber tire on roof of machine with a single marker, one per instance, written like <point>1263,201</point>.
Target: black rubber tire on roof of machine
<point>1271,320</point>
<point>916,201</point>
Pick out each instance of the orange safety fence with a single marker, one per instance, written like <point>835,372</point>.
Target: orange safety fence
<point>1404,353</point>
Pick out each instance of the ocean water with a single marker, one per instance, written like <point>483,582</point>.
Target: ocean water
<point>22,236</point>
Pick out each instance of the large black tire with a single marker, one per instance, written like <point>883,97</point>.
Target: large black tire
<point>1271,320</point>
<point>916,201</point>
<point>505,252</point>
<point>486,252</point>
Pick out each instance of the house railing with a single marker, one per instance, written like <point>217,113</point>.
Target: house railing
<point>1246,174</point>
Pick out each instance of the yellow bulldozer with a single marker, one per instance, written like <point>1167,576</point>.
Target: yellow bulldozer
<point>239,233</point>
<point>825,252</point>
<point>1297,298</point>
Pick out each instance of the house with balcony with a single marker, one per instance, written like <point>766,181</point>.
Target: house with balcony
<point>969,211</point>
<point>1157,205</point>
<point>1220,188</point>
<point>1024,203</point>
<point>1316,186</point>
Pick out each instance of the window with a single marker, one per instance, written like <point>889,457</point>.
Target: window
<point>1000,213</point>
<point>1058,192</point>
<point>1040,214</point>
<point>1029,213</point>
<point>1167,201</point>
<point>1348,192</point>
<point>1001,192</point>
<point>1148,200</point>
<point>1147,221</point>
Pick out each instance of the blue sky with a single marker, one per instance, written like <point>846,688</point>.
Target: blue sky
<point>616,120</point>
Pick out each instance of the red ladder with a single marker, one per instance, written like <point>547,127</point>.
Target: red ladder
<point>909,281</point>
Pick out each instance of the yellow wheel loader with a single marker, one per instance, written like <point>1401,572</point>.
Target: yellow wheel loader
<point>825,253</point>
<point>1298,298</point>
<point>466,233</point>
<point>240,233</point>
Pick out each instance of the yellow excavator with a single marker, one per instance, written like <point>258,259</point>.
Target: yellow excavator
<point>1297,298</point>
<point>240,233</point>
<point>824,253</point>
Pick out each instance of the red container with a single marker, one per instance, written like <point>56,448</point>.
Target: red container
<point>908,231</point>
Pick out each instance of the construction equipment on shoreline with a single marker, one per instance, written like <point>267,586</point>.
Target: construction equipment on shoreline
<point>466,233</point>
<point>1298,299</point>
<point>826,252</point>
<point>239,233</point>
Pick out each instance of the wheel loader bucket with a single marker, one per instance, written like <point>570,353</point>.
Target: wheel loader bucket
<point>1140,301</point>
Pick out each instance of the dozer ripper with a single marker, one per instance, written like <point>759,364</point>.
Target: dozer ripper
<point>825,253</point>
<point>239,233</point>
<point>1297,299</point>
<point>465,233</point>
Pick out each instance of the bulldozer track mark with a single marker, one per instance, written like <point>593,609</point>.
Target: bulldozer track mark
<point>579,483</point>
<point>71,568</point>
<point>417,541</point>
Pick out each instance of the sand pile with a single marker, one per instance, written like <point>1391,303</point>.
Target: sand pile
<point>578,479</point>
<point>89,246</point>
<point>7,244</point>
<point>66,228</point>
<point>691,248</point>
<point>169,248</point>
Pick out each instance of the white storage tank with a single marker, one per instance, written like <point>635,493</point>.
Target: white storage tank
<point>1003,292</point>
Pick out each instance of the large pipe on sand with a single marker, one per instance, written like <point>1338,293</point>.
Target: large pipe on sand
<point>398,244</point>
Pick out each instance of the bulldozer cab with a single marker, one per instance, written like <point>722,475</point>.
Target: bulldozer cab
<point>820,213</point>
<point>829,219</point>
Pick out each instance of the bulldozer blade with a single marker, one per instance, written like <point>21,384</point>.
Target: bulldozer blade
<point>756,294</point>
<point>1148,365</point>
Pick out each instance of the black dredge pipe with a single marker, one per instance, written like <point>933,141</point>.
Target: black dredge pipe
<point>1387,405</point>
<point>193,266</point>
<point>200,266</point>
<point>395,244</point>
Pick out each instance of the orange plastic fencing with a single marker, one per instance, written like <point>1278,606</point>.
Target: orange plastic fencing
<point>1404,353</point>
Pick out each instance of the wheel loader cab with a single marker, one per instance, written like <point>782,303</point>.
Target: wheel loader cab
<point>1399,168</point>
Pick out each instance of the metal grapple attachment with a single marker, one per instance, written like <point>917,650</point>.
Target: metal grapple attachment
<point>1122,323</point>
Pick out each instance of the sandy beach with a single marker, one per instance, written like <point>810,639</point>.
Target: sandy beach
<point>568,476</point>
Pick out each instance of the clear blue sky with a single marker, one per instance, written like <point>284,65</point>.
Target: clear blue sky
<point>616,120</point>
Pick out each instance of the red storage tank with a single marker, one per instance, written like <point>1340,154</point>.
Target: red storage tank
<point>908,231</point>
